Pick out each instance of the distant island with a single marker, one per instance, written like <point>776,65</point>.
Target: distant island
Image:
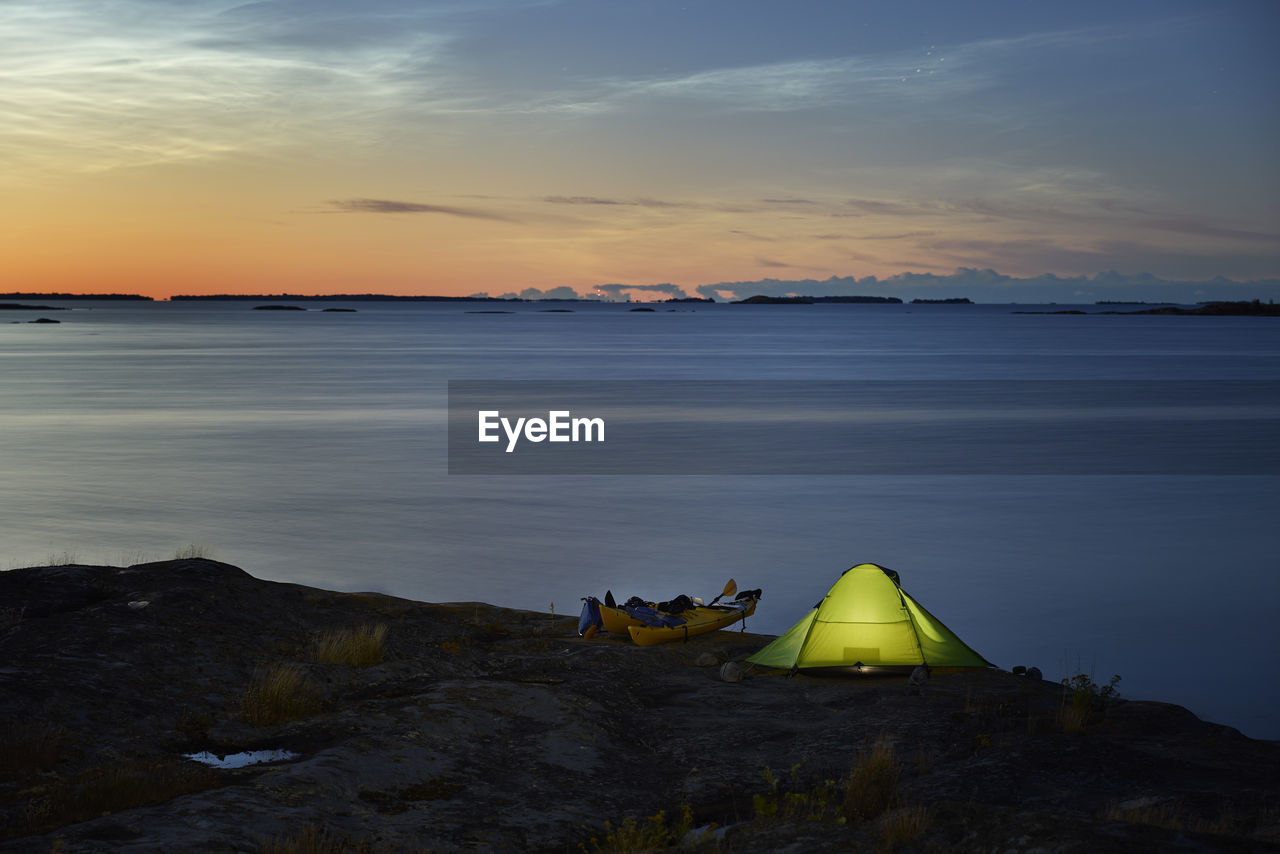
<point>77,296</point>
<point>17,306</point>
<point>951,301</point>
<point>357,298</point>
<point>1241,308</point>
<point>761,299</point>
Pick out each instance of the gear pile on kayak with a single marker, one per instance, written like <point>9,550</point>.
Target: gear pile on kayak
<point>679,619</point>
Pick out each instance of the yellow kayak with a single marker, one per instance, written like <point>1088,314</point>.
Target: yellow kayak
<point>617,620</point>
<point>697,621</point>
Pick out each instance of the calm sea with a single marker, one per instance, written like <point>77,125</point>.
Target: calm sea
<point>312,447</point>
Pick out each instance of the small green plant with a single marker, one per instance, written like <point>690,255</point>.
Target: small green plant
<point>361,647</point>
<point>766,806</point>
<point>191,551</point>
<point>807,803</point>
<point>1082,683</point>
<point>1085,700</point>
<point>278,694</point>
<point>873,785</point>
<point>635,835</point>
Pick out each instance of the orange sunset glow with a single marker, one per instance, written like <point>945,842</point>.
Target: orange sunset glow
<point>409,148</point>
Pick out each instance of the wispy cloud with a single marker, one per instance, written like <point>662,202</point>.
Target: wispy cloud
<point>386,206</point>
<point>1204,229</point>
<point>901,80</point>
<point>908,235</point>
<point>580,200</point>
<point>597,200</point>
<point>896,209</point>
<point>92,87</point>
<point>749,235</point>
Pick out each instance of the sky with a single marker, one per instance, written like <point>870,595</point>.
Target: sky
<point>457,147</point>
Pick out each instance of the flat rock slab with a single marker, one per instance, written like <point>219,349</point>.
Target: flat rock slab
<point>493,729</point>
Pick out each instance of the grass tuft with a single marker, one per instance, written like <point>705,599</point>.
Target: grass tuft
<point>873,785</point>
<point>1243,821</point>
<point>31,747</point>
<point>99,791</point>
<point>279,694</point>
<point>360,647</point>
<point>313,840</point>
<point>902,825</point>
<point>192,551</point>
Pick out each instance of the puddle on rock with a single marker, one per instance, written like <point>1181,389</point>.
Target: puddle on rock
<point>240,760</point>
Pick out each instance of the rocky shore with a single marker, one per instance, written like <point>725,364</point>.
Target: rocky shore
<point>467,727</point>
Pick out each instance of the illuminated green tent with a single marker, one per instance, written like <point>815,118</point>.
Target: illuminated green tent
<point>865,624</point>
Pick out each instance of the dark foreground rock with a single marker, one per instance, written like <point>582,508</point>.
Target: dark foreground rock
<point>486,729</point>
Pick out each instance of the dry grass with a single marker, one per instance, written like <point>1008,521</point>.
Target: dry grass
<point>32,746</point>
<point>278,694</point>
<point>873,785</point>
<point>453,647</point>
<point>1074,716</point>
<point>1237,821</point>
<point>313,840</point>
<point>1163,814</point>
<point>361,647</point>
<point>100,791</point>
<point>903,825</point>
<point>194,550</point>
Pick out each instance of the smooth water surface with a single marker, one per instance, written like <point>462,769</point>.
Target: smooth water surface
<point>311,447</point>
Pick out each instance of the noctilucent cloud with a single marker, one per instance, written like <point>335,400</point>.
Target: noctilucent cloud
<point>529,146</point>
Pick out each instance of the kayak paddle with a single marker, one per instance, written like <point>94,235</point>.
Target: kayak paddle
<point>729,589</point>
